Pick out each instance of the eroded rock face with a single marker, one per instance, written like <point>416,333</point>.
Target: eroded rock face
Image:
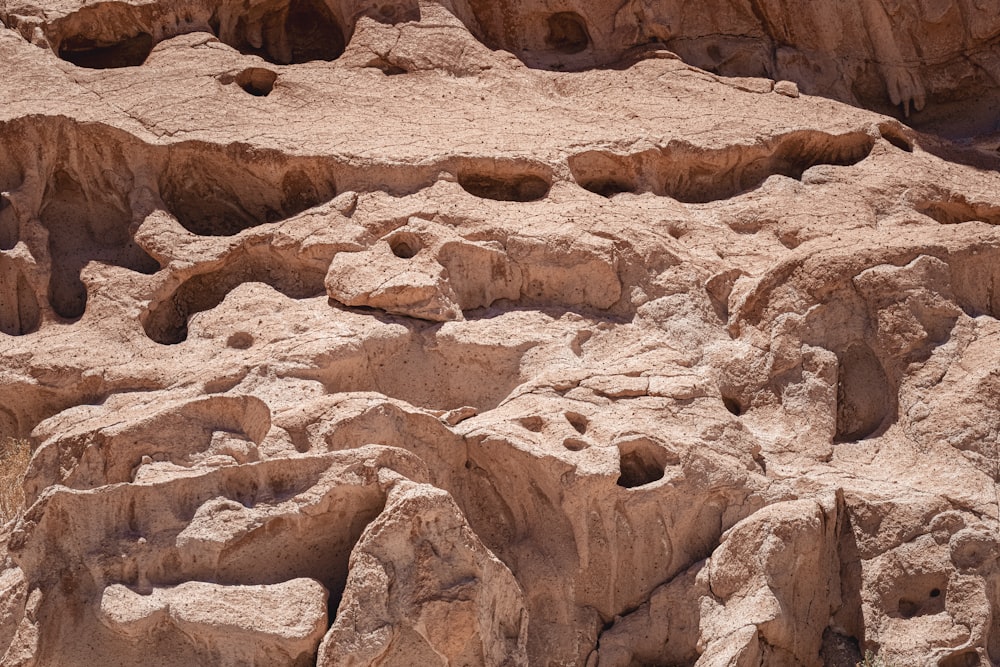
<point>364,333</point>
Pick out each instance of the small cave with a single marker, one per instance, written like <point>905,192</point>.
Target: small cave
<point>697,176</point>
<point>865,397</point>
<point>642,462</point>
<point>286,33</point>
<point>512,187</point>
<point>257,81</point>
<point>567,33</point>
<point>732,405</point>
<point>312,32</point>
<point>95,54</point>
<point>604,174</point>
<point>166,321</point>
<point>224,192</point>
<point>607,187</point>
<point>85,226</point>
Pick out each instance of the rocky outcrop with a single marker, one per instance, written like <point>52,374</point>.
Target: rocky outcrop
<point>499,333</point>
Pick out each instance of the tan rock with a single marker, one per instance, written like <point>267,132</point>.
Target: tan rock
<point>499,333</point>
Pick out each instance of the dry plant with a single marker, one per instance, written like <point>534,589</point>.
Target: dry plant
<point>14,456</point>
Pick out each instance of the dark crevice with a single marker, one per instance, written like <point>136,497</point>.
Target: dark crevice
<point>93,54</point>
<point>695,175</point>
<point>83,227</point>
<point>865,397</point>
<point>166,322</point>
<point>514,187</point>
<point>567,33</point>
<point>642,462</point>
<point>221,193</point>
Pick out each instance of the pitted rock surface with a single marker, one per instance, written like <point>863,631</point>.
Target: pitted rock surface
<point>462,332</point>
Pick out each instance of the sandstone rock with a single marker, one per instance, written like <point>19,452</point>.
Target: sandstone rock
<point>500,333</point>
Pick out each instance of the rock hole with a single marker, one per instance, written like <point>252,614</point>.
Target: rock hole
<point>964,659</point>
<point>257,81</point>
<point>405,246</point>
<point>533,424</point>
<point>696,176</point>
<point>93,54</point>
<point>578,422</point>
<point>86,223</point>
<point>567,33</point>
<point>312,32</point>
<point>519,188</point>
<point>575,444</point>
<point>908,608</point>
<point>222,193</point>
<point>864,396</point>
<point>935,592</point>
<point>166,322</point>
<point>732,405</point>
<point>240,340</point>
<point>608,187</point>
<point>642,462</point>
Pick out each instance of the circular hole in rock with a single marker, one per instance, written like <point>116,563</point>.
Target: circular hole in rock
<point>567,33</point>
<point>257,81</point>
<point>935,592</point>
<point>405,246</point>
<point>732,405</point>
<point>240,340</point>
<point>575,444</point>
<point>94,54</point>
<point>642,462</point>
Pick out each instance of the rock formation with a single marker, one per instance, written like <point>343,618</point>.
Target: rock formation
<point>469,332</point>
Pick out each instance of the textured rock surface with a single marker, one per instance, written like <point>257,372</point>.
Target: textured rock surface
<point>499,333</point>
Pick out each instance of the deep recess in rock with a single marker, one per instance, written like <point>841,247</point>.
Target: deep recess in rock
<point>221,193</point>
<point>404,245</point>
<point>864,395</point>
<point>85,226</point>
<point>567,33</point>
<point>166,322</point>
<point>257,81</point>
<point>287,32</point>
<point>693,175</point>
<point>517,188</point>
<point>642,462</point>
<point>129,52</point>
